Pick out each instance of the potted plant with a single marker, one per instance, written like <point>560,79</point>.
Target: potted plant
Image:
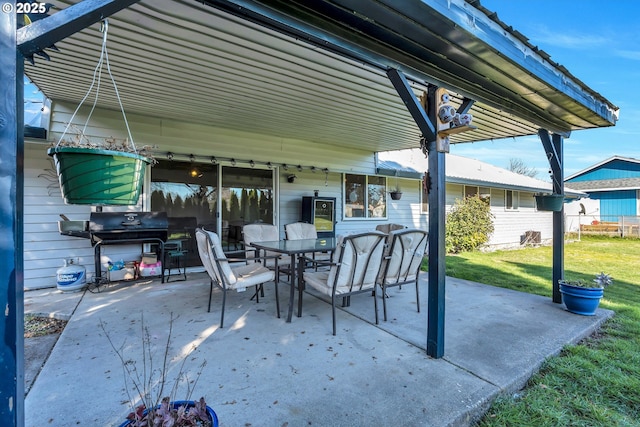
<point>108,172</point>
<point>582,297</point>
<point>549,202</point>
<point>396,193</point>
<point>147,386</point>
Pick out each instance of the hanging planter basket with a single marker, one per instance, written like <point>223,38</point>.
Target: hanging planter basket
<point>90,176</point>
<point>395,195</point>
<point>90,172</point>
<point>549,202</point>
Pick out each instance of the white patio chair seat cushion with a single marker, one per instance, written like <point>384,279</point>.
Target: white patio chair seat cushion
<point>403,257</point>
<point>250,275</point>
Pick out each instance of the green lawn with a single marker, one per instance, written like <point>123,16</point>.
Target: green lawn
<point>596,383</point>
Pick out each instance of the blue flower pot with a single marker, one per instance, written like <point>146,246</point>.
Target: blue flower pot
<point>189,404</point>
<point>581,300</point>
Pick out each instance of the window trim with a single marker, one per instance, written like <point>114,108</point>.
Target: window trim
<point>515,200</point>
<point>366,195</point>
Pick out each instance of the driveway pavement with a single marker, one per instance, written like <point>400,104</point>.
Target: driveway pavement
<point>262,371</point>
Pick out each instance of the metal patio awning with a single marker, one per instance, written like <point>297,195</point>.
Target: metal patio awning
<point>315,70</point>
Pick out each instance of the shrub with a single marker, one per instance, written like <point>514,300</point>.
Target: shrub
<point>469,225</point>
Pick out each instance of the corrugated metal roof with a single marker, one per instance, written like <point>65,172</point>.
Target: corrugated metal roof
<point>188,61</point>
<point>468,171</point>
<point>607,185</point>
<point>391,168</point>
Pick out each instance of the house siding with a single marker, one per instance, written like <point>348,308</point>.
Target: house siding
<point>614,169</point>
<point>510,225</point>
<point>616,203</point>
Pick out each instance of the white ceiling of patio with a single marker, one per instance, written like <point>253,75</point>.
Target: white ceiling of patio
<point>188,61</point>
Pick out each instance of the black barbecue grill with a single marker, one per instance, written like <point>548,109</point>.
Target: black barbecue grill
<point>127,226</point>
<point>119,228</point>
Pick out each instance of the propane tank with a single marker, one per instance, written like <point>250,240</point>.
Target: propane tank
<point>71,277</point>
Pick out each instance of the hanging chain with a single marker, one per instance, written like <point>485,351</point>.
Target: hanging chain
<point>97,78</point>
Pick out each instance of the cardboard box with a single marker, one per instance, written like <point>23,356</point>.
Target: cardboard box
<point>147,270</point>
<point>127,273</point>
<point>149,258</point>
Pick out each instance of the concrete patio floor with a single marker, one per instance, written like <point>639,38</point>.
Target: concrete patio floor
<point>262,371</point>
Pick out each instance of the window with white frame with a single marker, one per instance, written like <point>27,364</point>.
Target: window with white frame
<point>483,192</point>
<point>511,200</point>
<point>365,196</point>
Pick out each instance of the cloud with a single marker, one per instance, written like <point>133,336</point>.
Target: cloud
<point>583,41</point>
<point>628,54</point>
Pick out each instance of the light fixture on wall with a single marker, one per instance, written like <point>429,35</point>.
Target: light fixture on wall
<point>214,161</point>
<point>291,178</point>
<point>194,172</point>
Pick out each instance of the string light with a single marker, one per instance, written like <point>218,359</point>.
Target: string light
<point>252,163</point>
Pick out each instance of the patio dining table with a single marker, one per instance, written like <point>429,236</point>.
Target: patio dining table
<point>295,248</point>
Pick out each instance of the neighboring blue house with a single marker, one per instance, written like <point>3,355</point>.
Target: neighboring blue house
<point>613,186</point>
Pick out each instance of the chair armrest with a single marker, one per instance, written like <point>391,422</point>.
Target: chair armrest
<point>238,252</point>
<point>316,262</point>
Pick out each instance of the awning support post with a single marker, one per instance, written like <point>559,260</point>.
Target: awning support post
<point>554,148</point>
<point>11,249</point>
<point>436,176</point>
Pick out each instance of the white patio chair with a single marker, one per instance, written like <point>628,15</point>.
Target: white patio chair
<point>226,277</point>
<point>264,233</point>
<point>353,269</point>
<point>404,253</point>
<point>304,230</point>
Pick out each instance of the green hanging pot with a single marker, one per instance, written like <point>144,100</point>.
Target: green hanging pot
<point>549,202</point>
<point>90,176</point>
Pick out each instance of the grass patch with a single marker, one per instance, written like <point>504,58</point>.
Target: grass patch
<point>595,383</point>
<point>38,326</point>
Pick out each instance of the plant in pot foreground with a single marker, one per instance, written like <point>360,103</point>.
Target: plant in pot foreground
<point>152,395</point>
<point>582,297</point>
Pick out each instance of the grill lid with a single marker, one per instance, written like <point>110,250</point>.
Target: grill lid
<point>128,225</point>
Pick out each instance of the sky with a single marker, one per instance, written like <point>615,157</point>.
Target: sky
<point>599,43</point>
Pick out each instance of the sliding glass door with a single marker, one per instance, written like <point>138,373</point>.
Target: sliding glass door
<point>196,195</point>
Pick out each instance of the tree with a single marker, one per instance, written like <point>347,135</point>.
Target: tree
<point>518,166</point>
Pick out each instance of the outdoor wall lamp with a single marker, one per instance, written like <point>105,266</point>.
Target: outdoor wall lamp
<point>291,178</point>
